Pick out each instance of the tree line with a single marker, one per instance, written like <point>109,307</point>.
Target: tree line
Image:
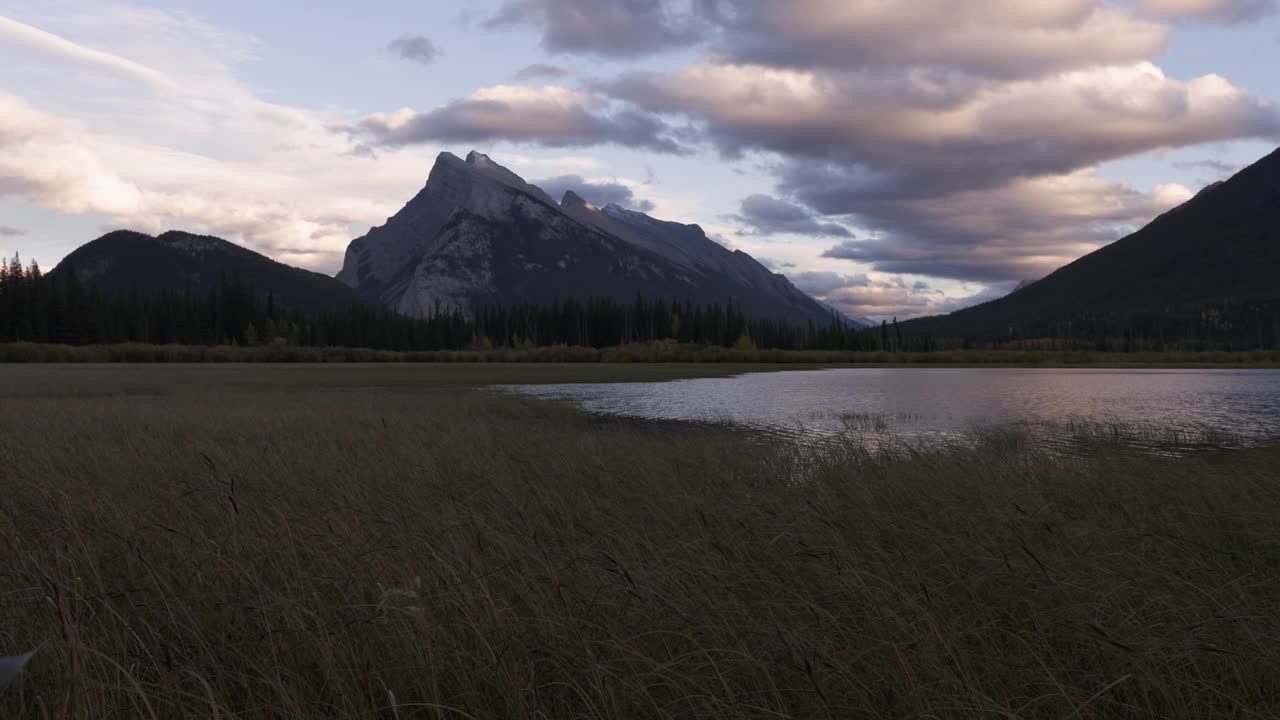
<point>38,308</point>
<point>1224,326</point>
<point>61,309</point>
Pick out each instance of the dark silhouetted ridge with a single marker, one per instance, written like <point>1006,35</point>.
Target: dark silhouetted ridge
<point>1218,253</point>
<point>123,261</point>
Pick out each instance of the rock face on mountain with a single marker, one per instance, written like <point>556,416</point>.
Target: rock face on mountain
<point>479,235</point>
<point>123,261</point>
<point>1221,249</point>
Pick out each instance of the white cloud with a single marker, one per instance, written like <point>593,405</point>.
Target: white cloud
<point>178,142</point>
<point>36,40</point>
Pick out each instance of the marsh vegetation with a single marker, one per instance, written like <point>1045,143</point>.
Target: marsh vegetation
<point>362,542</point>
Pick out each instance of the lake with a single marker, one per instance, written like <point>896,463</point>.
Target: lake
<point>943,403</point>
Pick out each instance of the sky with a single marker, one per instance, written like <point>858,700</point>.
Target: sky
<point>895,158</point>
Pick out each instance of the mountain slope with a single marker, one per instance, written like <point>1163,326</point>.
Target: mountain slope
<point>122,261</point>
<point>479,235</point>
<point>1221,248</point>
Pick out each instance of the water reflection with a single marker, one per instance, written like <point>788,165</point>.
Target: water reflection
<point>931,405</point>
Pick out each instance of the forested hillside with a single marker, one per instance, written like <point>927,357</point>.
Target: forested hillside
<point>1205,275</point>
<point>60,309</point>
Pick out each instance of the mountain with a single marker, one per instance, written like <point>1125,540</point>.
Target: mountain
<point>859,323</point>
<point>122,261</point>
<point>477,234</point>
<point>1021,285</point>
<point>1217,253</point>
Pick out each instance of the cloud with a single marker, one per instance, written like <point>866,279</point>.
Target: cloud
<point>995,38</point>
<point>542,71</point>
<point>599,193</point>
<point>819,283</point>
<point>922,136</point>
<point>879,296</point>
<point>765,215</point>
<point>547,116</point>
<point>1210,171</point>
<point>1216,166</point>
<point>37,40</point>
<point>197,150</point>
<point>61,166</point>
<point>616,29</point>
<point>1227,12</point>
<point>6,231</point>
<point>967,140</point>
<point>1024,230</point>
<point>414,48</point>
<point>985,180</point>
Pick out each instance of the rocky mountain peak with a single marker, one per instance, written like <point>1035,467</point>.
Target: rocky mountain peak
<point>574,200</point>
<point>479,234</point>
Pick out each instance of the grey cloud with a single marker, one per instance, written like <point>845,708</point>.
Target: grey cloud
<point>993,38</point>
<point>989,181</point>
<point>550,117</point>
<point>612,28</point>
<point>598,194</point>
<point>1216,166</point>
<point>6,231</point>
<point>963,138</point>
<point>765,215</point>
<point>542,71</point>
<point>925,142</point>
<point>361,150</point>
<point>415,48</point>
<point>819,283</point>
<point>1225,12</point>
<point>850,250</point>
<point>1025,229</point>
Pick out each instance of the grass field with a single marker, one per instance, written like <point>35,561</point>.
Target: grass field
<point>163,379</point>
<point>382,542</point>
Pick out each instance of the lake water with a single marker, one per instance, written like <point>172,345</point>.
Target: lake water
<point>941,403</point>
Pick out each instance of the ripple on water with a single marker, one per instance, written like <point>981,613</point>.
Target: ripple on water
<point>1059,409</point>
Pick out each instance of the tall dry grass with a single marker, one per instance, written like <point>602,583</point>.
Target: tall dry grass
<point>348,553</point>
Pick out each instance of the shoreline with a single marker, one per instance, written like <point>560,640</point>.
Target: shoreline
<point>655,355</point>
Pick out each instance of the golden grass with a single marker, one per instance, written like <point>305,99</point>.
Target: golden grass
<point>283,551</point>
